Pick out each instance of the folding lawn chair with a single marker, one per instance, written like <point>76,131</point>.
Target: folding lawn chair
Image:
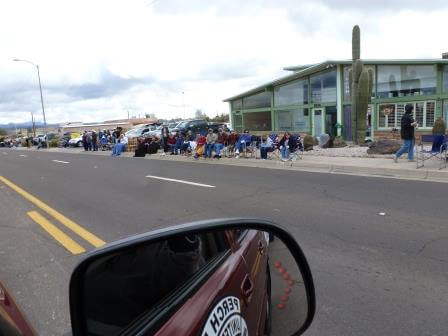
<point>438,150</point>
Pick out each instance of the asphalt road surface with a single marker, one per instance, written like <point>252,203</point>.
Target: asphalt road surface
<point>378,248</point>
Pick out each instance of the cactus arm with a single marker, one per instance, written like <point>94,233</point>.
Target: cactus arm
<point>357,69</point>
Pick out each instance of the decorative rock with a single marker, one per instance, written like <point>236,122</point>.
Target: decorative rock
<point>308,143</point>
<point>384,147</point>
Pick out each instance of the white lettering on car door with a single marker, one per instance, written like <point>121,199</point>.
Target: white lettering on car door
<point>225,319</point>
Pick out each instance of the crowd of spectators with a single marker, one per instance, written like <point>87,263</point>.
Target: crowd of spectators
<point>217,143</point>
<point>214,144</point>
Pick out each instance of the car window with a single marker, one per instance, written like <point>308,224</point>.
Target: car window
<point>134,284</point>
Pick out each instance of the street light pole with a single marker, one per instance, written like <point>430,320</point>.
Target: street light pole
<point>183,103</point>
<point>41,97</point>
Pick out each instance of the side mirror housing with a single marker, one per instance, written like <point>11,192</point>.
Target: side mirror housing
<point>205,278</point>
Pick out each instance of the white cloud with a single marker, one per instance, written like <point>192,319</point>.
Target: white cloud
<point>101,58</point>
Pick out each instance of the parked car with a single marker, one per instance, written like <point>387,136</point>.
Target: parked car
<point>196,126</point>
<point>156,132</point>
<point>76,142</point>
<point>137,132</point>
<point>173,125</point>
<point>40,137</point>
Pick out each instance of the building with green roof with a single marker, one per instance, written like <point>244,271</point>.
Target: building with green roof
<point>315,99</point>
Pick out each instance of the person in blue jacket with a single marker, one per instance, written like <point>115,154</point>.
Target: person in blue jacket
<point>179,143</point>
<point>243,140</point>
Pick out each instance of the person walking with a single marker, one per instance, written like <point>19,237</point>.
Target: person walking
<point>408,125</point>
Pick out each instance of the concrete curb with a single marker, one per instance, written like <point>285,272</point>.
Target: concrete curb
<point>422,174</point>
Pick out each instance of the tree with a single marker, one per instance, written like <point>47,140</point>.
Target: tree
<point>221,118</point>
<point>201,115</point>
<point>3,132</point>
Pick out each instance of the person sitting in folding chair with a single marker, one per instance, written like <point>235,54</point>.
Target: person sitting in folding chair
<point>242,143</point>
<point>231,142</point>
<point>266,146</point>
<point>295,147</point>
<point>285,144</point>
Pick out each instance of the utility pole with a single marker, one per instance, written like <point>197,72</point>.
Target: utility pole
<point>183,103</point>
<point>33,125</point>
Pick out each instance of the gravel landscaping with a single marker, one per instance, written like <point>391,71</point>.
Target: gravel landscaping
<point>349,151</point>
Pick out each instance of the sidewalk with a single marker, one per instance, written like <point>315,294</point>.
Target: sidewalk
<point>376,166</point>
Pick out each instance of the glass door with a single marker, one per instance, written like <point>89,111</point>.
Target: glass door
<point>318,121</point>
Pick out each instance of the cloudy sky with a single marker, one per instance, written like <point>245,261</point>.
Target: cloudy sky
<point>102,58</point>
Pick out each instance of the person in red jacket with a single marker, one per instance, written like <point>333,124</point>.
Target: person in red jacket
<point>222,140</point>
<point>171,142</point>
<point>201,141</point>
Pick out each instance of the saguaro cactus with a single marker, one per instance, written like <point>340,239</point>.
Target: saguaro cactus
<point>361,85</point>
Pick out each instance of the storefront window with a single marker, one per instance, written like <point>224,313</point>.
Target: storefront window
<point>258,121</point>
<point>295,93</point>
<point>262,99</point>
<point>445,110</point>
<point>237,122</point>
<point>406,80</point>
<point>237,104</point>
<point>323,87</point>
<point>390,114</point>
<point>297,120</point>
<point>445,78</point>
<point>347,81</point>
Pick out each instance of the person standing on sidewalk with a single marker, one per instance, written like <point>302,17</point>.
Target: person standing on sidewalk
<point>165,133</point>
<point>84,141</point>
<point>94,141</point>
<point>408,125</point>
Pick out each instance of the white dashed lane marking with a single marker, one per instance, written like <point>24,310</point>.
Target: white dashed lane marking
<point>180,181</point>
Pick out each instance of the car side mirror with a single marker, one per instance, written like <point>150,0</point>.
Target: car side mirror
<point>217,277</point>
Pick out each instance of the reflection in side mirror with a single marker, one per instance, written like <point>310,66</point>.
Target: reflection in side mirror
<point>211,278</point>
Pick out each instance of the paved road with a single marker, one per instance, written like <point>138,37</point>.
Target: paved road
<point>374,275</point>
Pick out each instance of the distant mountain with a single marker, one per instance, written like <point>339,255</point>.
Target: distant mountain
<point>25,125</point>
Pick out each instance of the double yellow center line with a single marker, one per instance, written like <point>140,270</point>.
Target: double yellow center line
<point>56,233</point>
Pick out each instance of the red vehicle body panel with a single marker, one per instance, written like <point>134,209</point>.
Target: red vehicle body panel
<point>227,280</point>
<point>12,320</point>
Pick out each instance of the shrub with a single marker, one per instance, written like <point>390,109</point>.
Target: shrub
<point>439,127</point>
<point>339,142</point>
<point>54,143</point>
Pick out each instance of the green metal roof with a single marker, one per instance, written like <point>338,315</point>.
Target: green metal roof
<point>306,70</point>
<point>380,61</point>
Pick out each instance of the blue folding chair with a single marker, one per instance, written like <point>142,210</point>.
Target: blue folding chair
<point>275,146</point>
<point>439,150</point>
